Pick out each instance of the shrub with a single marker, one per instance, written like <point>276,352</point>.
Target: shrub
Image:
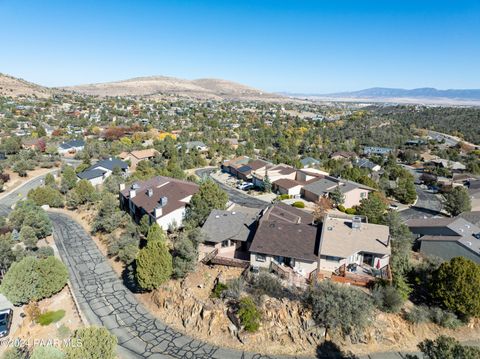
<point>341,208</point>
<point>351,211</point>
<point>283,197</point>
<point>44,352</point>
<point>387,299</point>
<point>109,216</point>
<point>444,318</point>
<point>185,257</point>
<point>455,286</point>
<point>298,204</point>
<point>63,331</point>
<point>338,308</point>
<point>46,196</point>
<point>48,318</point>
<point>16,353</point>
<point>97,343</point>
<point>34,279</point>
<point>235,288</point>
<point>419,314</point>
<point>445,348</point>
<point>218,290</point>
<point>27,213</point>
<point>249,315</point>
<point>266,283</point>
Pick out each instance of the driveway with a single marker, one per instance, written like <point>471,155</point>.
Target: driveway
<point>235,195</point>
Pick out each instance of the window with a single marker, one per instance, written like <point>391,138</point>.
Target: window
<point>333,259</point>
<point>363,194</point>
<point>226,243</point>
<point>260,257</point>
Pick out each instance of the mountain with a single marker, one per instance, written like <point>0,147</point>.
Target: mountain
<point>425,95</point>
<point>162,86</point>
<point>14,87</point>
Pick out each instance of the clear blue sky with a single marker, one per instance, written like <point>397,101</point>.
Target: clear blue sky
<point>296,46</point>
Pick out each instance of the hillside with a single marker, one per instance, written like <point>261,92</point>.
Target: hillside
<point>14,87</point>
<point>162,86</point>
<point>425,95</point>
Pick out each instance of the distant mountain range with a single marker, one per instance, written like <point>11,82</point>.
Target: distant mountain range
<point>157,87</point>
<point>385,94</point>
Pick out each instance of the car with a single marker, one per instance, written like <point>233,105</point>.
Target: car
<point>393,207</point>
<point>245,186</point>
<point>5,322</point>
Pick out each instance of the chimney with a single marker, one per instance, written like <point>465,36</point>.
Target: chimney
<point>356,222</point>
<point>163,201</point>
<point>133,193</point>
<point>121,186</point>
<point>157,212</point>
<point>150,192</point>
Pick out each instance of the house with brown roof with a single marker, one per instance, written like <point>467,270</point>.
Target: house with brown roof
<point>136,156</point>
<point>274,173</point>
<point>163,199</point>
<point>343,155</point>
<point>288,241</point>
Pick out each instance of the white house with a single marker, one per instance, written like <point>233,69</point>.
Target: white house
<point>100,171</point>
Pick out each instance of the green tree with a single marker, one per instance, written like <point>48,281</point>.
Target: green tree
<point>455,286</point>
<point>50,181</point>
<point>457,201</point>
<point>109,216</point>
<point>46,195</point>
<point>68,179</point>
<point>85,191</point>
<point>7,257</point>
<point>405,191</point>
<point>28,237</point>
<point>267,184</point>
<point>15,353</point>
<point>446,348</point>
<point>27,213</point>
<point>154,261</point>
<point>97,343</point>
<point>144,225</point>
<point>185,254</point>
<point>338,308</point>
<point>34,279</point>
<point>209,196</point>
<point>337,196</point>
<point>372,207</point>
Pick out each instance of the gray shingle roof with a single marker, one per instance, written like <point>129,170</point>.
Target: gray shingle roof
<point>90,174</point>
<point>223,225</point>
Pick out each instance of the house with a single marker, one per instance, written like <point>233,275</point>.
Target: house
<point>274,173</point>
<point>343,155</point>
<point>198,145</point>
<point>245,172</point>
<point>231,142</point>
<point>366,163</point>
<point>453,165</point>
<point>378,151</point>
<point>229,232</point>
<point>287,186</point>
<point>100,171</point>
<point>447,238</point>
<point>72,146</point>
<point>353,243</point>
<point>136,156</point>
<point>308,162</point>
<point>286,240</point>
<point>353,192</point>
<point>232,166</point>
<point>163,199</point>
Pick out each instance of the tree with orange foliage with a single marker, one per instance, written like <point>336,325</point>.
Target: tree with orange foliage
<point>322,206</point>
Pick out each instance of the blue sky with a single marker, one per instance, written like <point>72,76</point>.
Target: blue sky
<point>296,46</point>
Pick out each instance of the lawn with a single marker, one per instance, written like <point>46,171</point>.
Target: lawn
<point>50,317</point>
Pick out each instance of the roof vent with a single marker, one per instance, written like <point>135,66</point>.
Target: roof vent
<point>233,212</point>
<point>356,222</point>
<point>150,192</point>
<point>329,228</point>
<point>135,185</point>
<point>217,216</point>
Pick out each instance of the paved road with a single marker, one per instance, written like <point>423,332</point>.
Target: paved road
<point>427,205</point>
<point>236,196</point>
<point>8,200</point>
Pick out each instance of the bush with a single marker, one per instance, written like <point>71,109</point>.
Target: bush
<point>15,353</point>
<point>455,286</point>
<point>218,290</point>
<point>351,211</point>
<point>446,348</point>
<point>48,318</point>
<point>27,213</point>
<point>387,299</point>
<point>266,283</point>
<point>341,208</point>
<point>249,315</point>
<point>298,204</point>
<point>109,216</point>
<point>34,279</point>
<point>234,289</point>
<point>46,196</point>
<point>444,318</point>
<point>97,343</point>
<point>47,352</point>
<point>283,197</point>
<point>419,314</point>
<point>185,256</point>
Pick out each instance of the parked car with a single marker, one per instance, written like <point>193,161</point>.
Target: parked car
<point>245,186</point>
<point>393,207</point>
<point>5,322</point>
